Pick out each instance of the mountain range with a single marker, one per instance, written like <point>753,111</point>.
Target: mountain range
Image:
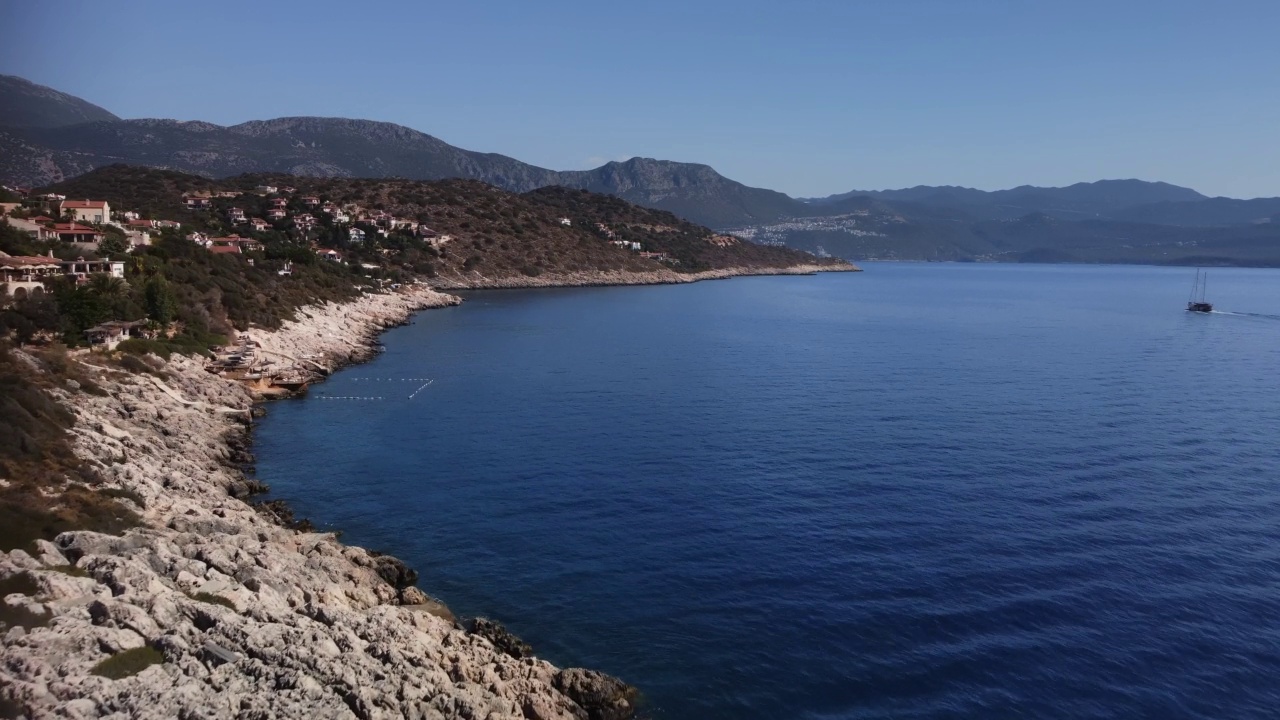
<point>47,136</point>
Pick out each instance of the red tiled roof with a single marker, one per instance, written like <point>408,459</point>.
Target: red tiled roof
<point>20,261</point>
<point>226,249</point>
<point>84,204</point>
<point>74,229</point>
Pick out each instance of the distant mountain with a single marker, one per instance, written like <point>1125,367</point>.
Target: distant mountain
<point>1205,213</point>
<point>1035,237</point>
<point>337,147</point>
<point>1074,202</point>
<point>26,104</point>
<point>1120,220</point>
<point>693,191</point>
<point>322,147</point>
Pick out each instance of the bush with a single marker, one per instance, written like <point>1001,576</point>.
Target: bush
<point>212,599</point>
<point>72,570</point>
<point>14,616</point>
<point>141,346</point>
<point>128,663</point>
<point>198,343</point>
<point>131,362</point>
<point>125,494</point>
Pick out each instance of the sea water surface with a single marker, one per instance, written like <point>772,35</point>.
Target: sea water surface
<point>923,491</point>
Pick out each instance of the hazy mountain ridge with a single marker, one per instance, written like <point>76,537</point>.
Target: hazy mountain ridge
<point>1205,213</point>
<point>923,222</point>
<point>341,147</point>
<point>1102,198</point>
<point>26,104</point>
<point>1035,237</point>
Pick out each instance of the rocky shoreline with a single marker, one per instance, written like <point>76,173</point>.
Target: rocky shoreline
<point>218,607</point>
<point>211,608</point>
<point>595,278</point>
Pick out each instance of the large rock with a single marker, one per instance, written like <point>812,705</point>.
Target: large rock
<point>604,697</point>
<point>394,571</point>
<point>503,640</point>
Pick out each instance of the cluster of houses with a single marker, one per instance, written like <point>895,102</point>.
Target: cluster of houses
<point>277,211</point>
<point>81,225</point>
<point>81,222</point>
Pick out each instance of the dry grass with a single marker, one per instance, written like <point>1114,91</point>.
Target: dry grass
<point>13,616</point>
<point>50,490</point>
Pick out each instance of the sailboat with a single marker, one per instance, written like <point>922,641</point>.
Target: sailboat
<point>1197,303</point>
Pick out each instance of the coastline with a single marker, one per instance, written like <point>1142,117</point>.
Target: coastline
<point>243,611</point>
<point>597,278</point>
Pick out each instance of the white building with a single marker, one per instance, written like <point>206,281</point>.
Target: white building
<point>90,211</point>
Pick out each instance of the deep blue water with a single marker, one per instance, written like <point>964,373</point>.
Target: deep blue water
<point>923,491</point>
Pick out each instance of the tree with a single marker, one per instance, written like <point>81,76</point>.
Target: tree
<point>80,308</point>
<point>159,300</point>
<point>113,246</point>
<point>107,286</point>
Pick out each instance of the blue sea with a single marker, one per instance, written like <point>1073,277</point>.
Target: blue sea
<point>921,491</point>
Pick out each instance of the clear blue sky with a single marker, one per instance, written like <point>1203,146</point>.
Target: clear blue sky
<point>806,97</point>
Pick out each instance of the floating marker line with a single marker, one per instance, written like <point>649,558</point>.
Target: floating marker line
<point>347,397</point>
<point>424,387</point>
<point>368,379</point>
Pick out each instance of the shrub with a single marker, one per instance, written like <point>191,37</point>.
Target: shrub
<point>72,570</point>
<point>125,494</point>
<point>131,362</point>
<point>212,599</point>
<point>128,663</point>
<point>13,615</point>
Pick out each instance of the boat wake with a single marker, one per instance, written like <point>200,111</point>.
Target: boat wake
<point>1263,316</point>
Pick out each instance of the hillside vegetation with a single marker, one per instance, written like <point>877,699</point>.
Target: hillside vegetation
<point>480,230</point>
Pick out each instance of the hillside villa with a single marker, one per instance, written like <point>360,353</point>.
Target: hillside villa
<point>21,276</point>
<point>78,234</point>
<point>240,243</point>
<point>25,275</point>
<point>90,211</point>
<point>32,228</point>
<point>197,201</point>
<point>108,335</point>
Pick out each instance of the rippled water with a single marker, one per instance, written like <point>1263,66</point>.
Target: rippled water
<point>924,491</point>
